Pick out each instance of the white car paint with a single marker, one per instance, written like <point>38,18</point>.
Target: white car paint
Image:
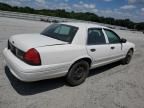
<point>26,41</point>
<point>57,56</point>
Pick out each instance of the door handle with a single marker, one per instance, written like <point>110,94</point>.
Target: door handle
<point>112,47</point>
<point>93,50</point>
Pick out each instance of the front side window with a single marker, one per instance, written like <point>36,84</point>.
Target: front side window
<point>112,36</point>
<point>95,37</point>
<point>61,32</point>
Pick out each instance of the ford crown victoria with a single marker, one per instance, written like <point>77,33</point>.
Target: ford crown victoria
<point>65,49</point>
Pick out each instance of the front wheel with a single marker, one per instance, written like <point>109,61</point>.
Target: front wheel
<point>128,57</point>
<point>78,73</point>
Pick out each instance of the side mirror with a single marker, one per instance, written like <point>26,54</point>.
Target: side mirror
<point>123,40</point>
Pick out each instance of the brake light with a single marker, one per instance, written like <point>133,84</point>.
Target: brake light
<point>32,57</point>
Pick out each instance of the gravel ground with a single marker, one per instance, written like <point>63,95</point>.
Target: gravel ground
<point>111,86</point>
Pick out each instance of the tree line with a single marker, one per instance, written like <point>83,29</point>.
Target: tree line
<point>87,16</point>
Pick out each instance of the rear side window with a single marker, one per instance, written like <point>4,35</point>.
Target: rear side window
<point>112,36</point>
<point>95,37</point>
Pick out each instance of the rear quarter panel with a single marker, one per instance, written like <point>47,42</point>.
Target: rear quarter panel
<point>61,54</point>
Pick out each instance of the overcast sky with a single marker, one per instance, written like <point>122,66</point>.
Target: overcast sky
<point>121,9</point>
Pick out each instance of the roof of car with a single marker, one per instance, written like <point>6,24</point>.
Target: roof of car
<point>84,24</point>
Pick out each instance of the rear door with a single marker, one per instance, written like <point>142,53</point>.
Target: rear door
<point>114,44</point>
<point>97,46</point>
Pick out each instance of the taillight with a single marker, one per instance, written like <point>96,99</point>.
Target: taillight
<point>32,57</point>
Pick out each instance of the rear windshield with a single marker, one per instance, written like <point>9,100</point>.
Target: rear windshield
<point>61,32</point>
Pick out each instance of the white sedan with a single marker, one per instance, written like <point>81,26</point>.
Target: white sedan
<point>65,49</point>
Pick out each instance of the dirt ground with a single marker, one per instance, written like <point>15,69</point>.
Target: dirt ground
<point>110,86</point>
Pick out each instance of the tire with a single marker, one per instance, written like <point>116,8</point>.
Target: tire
<point>77,73</point>
<point>128,57</point>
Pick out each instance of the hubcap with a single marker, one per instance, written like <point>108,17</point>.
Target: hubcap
<point>79,73</point>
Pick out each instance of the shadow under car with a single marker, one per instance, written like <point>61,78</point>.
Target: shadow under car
<point>31,88</point>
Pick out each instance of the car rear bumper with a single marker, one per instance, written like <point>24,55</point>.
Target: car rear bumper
<point>28,73</point>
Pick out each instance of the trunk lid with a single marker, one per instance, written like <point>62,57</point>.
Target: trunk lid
<point>27,41</point>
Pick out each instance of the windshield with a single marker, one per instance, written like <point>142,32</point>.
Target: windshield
<point>61,32</point>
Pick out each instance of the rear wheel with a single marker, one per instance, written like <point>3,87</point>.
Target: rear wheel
<point>128,57</point>
<point>78,73</point>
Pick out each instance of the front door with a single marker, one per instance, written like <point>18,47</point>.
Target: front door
<point>114,44</point>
